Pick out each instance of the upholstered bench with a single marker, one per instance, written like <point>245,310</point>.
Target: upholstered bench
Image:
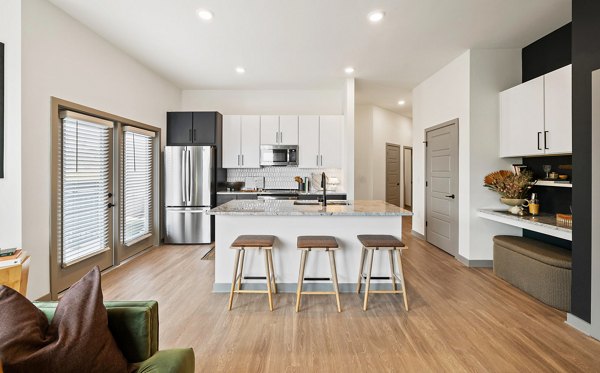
<point>539,269</point>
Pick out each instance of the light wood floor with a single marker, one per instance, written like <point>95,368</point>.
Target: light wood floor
<point>461,319</point>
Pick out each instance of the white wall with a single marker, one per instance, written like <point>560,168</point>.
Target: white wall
<point>374,128</point>
<point>258,102</point>
<point>442,97</point>
<point>492,71</point>
<point>363,154</point>
<point>348,148</point>
<point>63,58</point>
<point>10,185</point>
<point>467,88</point>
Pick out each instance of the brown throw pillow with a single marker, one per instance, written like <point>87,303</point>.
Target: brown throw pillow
<point>77,339</point>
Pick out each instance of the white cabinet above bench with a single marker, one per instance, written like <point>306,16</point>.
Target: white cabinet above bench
<point>535,117</point>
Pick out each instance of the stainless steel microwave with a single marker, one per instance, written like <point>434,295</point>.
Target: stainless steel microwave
<point>278,155</point>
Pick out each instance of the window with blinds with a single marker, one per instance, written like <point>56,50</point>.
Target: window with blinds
<point>85,184</point>
<point>137,185</point>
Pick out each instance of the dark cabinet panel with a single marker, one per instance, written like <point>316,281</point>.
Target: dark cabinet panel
<point>205,129</point>
<point>224,198</point>
<point>179,128</point>
<point>247,196</point>
<point>316,197</point>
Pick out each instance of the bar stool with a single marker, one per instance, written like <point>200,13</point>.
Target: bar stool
<point>376,242</point>
<point>257,242</point>
<point>322,243</point>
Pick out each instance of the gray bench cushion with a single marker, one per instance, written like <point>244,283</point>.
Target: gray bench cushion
<point>543,252</point>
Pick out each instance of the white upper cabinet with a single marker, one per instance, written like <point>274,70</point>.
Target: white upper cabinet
<point>558,129</point>
<point>288,130</point>
<point>535,117</point>
<point>231,141</point>
<point>241,141</point>
<point>279,130</point>
<point>308,141</point>
<point>522,119</point>
<point>330,140</point>
<point>250,145</point>
<point>320,141</point>
<point>269,129</point>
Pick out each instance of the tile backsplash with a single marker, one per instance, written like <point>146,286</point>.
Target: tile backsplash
<point>281,177</point>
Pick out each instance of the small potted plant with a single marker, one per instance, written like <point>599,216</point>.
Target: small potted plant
<point>511,187</point>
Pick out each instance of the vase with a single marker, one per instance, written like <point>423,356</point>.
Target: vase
<point>514,203</point>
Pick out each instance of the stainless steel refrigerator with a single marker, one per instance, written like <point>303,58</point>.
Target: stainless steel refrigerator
<point>190,191</point>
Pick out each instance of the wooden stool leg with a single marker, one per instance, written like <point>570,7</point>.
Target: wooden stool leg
<point>300,280</point>
<point>360,271</point>
<point>391,256</point>
<point>335,279</point>
<point>368,283</point>
<point>235,269</point>
<point>274,284</point>
<point>399,256</point>
<point>268,276</point>
<point>242,256</point>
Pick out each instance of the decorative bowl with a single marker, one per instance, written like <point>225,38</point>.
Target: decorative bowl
<point>512,201</point>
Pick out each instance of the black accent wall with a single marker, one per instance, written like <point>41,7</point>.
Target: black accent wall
<point>547,54</point>
<point>582,38</point>
<point>586,58</point>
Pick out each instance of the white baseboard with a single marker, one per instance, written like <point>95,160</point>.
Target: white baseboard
<point>579,324</point>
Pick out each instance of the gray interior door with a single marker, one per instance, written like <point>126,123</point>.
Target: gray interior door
<point>408,177</point>
<point>442,186</point>
<point>392,174</point>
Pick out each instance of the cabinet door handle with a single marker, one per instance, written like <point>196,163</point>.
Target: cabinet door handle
<point>538,139</point>
<point>317,159</point>
<point>321,159</point>
<point>194,135</point>
<point>546,141</point>
<point>190,136</point>
<point>242,159</point>
<point>280,136</point>
<point>238,159</point>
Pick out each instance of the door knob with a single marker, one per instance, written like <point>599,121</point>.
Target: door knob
<point>451,196</point>
<point>110,205</point>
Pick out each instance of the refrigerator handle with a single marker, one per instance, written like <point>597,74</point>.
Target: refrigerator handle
<point>183,176</point>
<point>190,178</point>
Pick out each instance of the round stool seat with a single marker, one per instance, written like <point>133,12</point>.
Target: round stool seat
<point>320,242</point>
<point>251,240</point>
<point>379,240</point>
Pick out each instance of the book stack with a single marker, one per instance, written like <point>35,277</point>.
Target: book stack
<point>12,260</point>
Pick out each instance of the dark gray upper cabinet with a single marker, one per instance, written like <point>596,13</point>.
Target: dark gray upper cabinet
<point>194,128</point>
<point>180,129</point>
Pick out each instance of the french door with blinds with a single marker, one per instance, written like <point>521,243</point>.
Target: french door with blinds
<point>84,214</point>
<point>137,212</point>
<point>104,197</point>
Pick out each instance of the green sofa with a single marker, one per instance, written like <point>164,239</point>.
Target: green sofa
<point>134,326</point>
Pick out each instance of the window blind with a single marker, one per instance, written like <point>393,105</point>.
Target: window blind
<point>85,186</point>
<point>137,185</point>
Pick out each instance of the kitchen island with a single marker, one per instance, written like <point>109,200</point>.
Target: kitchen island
<point>287,220</point>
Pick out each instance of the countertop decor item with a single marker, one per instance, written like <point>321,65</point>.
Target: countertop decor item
<point>511,187</point>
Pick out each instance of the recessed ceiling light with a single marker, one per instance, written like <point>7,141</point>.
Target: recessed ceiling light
<point>240,70</point>
<point>376,16</point>
<point>205,15</point>
<point>401,102</point>
<point>349,70</point>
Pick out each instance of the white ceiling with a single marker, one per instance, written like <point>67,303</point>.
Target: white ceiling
<point>305,44</point>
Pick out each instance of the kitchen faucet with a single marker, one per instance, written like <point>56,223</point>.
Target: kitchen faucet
<point>324,186</point>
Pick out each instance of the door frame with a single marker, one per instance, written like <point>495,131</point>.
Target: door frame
<point>56,105</point>
<point>427,130</point>
<point>399,171</point>
<point>412,173</point>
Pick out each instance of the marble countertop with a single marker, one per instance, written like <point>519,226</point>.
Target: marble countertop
<point>543,223</point>
<point>287,208</point>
